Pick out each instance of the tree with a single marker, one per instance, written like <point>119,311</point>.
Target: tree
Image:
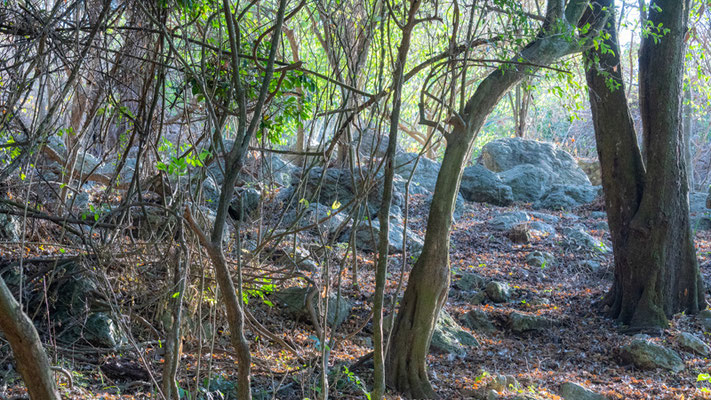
<point>656,271</point>
<point>429,279</point>
<point>27,347</point>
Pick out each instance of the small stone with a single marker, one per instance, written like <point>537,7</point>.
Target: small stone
<point>521,323</point>
<point>506,221</point>
<point>539,259</point>
<point>647,355</point>
<point>469,281</point>
<point>498,292</point>
<point>573,391</point>
<point>692,343</point>
<point>704,317</point>
<point>503,382</point>
<point>590,265</point>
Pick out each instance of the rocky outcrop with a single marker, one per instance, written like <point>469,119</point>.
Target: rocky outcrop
<point>483,186</point>
<point>504,154</point>
<point>644,354</point>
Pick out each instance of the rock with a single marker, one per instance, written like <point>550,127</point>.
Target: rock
<point>469,281</point>
<point>498,292</point>
<point>312,215</point>
<point>506,221</point>
<point>281,171</point>
<point>520,323</point>
<point>704,318</point>
<point>504,154</point>
<point>708,198</point>
<point>448,337</point>
<point>598,215</point>
<point>400,184</point>
<point>478,321</point>
<point>371,142</point>
<point>294,301</point>
<point>367,240</point>
<point>566,197</point>
<point>474,297</point>
<point>10,228</point>
<point>426,173</point>
<point>337,186</point>
<point>483,186</point>
<point>503,382</point>
<point>699,211</point>
<point>647,355</point>
<point>246,204</point>
<point>539,259</point>
<point>210,193</point>
<point>541,229</point>
<point>590,265</point>
<point>693,344</point>
<point>528,182</point>
<point>547,218</point>
<point>575,238</point>
<point>573,391</point>
<point>100,330</point>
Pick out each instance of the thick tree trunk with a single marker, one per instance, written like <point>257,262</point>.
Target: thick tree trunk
<point>656,271</point>
<point>26,347</point>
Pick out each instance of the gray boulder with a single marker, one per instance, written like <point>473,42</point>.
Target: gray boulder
<point>469,281</point>
<point>367,239</point>
<point>506,221</point>
<point>521,323</point>
<point>575,238</point>
<point>566,197</point>
<point>312,215</point>
<point>699,212</point>
<point>573,391</point>
<point>528,182</point>
<point>539,228</point>
<point>704,318</point>
<point>693,343</point>
<point>540,259</point>
<point>339,186</point>
<point>100,330</point>
<point>295,301</point>
<point>426,173</point>
<point>245,204</point>
<point>503,154</point>
<point>10,228</point>
<point>478,321</point>
<point>449,337</point>
<point>281,171</point>
<point>498,292</point>
<point>647,355</point>
<point>483,186</point>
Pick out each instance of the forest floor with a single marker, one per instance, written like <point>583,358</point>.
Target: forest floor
<point>582,346</point>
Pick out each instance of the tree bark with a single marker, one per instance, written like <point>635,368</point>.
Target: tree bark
<point>32,362</point>
<point>656,271</point>
<point>429,279</point>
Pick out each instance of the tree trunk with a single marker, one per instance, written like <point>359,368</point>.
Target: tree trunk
<point>26,347</point>
<point>656,271</point>
<point>429,279</point>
